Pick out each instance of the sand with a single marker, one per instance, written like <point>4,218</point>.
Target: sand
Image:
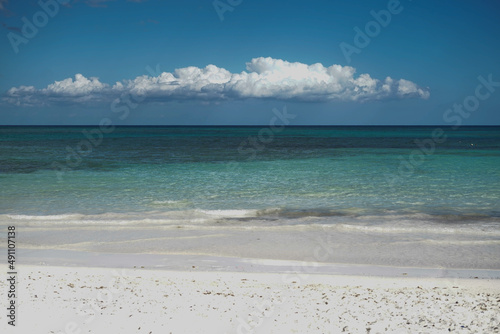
<point>137,300</point>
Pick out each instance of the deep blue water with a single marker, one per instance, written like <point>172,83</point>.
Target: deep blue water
<point>293,172</point>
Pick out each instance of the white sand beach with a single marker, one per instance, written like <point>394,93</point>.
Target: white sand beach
<point>58,300</point>
<point>249,278</point>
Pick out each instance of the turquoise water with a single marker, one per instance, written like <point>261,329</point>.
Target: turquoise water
<point>367,195</point>
<point>232,172</point>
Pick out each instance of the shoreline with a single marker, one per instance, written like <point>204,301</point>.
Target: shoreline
<point>210,263</point>
<point>320,244</point>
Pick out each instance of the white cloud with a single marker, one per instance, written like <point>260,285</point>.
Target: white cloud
<point>406,87</point>
<point>264,78</point>
<point>80,86</point>
<point>78,90</point>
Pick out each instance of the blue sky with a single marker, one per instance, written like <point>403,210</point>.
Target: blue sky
<point>85,62</point>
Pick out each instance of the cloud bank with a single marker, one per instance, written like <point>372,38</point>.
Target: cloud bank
<point>264,78</point>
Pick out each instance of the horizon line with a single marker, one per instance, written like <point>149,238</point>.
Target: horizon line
<point>241,126</point>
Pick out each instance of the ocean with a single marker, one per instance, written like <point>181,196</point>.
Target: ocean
<point>403,183</point>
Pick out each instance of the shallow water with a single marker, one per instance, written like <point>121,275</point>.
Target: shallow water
<point>356,180</point>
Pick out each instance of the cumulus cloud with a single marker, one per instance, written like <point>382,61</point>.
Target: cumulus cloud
<point>264,78</point>
<point>79,90</point>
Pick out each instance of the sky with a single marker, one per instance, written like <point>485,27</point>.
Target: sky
<point>236,62</point>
